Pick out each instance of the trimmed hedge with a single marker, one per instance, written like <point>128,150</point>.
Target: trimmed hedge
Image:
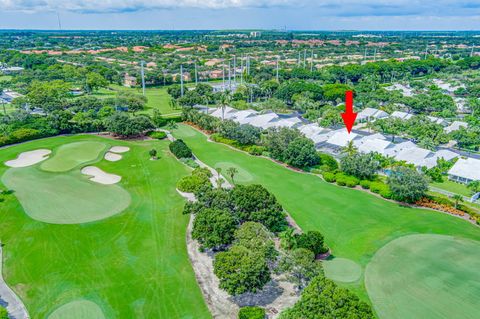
<point>251,313</point>
<point>329,177</point>
<point>159,135</point>
<point>180,149</point>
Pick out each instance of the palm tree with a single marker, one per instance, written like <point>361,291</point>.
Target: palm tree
<point>457,198</point>
<point>231,171</point>
<point>350,149</point>
<point>224,101</point>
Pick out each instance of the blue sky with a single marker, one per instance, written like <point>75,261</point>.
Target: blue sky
<point>251,14</point>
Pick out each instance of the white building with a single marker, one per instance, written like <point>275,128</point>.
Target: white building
<point>370,114</point>
<point>402,115</point>
<point>465,170</point>
<point>455,126</point>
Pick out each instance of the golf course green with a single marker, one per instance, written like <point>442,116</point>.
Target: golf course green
<point>355,224</point>
<point>71,155</point>
<point>425,276</point>
<point>130,262</point>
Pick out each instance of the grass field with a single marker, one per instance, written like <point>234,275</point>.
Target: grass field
<point>355,224</point>
<point>78,309</point>
<point>425,276</point>
<point>158,98</point>
<point>131,265</point>
<point>453,187</point>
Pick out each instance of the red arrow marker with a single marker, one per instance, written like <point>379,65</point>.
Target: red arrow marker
<point>349,116</point>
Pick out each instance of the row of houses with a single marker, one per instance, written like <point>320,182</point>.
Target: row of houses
<point>332,141</point>
<point>371,114</point>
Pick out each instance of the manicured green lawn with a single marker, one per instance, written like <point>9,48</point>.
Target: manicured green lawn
<point>69,156</point>
<point>355,223</point>
<point>78,309</point>
<point>425,276</point>
<point>132,265</point>
<point>158,98</point>
<point>453,187</point>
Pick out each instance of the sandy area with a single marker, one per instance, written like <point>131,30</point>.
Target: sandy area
<point>29,158</point>
<point>112,157</point>
<point>120,149</point>
<point>100,176</point>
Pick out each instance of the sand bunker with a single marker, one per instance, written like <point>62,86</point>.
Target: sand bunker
<point>100,176</point>
<point>112,157</point>
<point>29,158</point>
<point>119,149</point>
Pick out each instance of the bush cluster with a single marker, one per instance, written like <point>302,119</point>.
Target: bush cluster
<point>159,135</point>
<point>251,313</point>
<point>180,149</point>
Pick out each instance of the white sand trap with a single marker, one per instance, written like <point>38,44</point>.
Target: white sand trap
<point>120,149</point>
<point>112,157</point>
<point>100,176</point>
<point>29,158</point>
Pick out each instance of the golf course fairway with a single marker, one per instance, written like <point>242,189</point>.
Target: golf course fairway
<point>132,264</point>
<point>355,224</point>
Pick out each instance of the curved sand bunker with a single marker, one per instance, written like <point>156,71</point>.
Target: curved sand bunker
<point>100,176</point>
<point>112,157</point>
<point>30,158</point>
<point>119,149</point>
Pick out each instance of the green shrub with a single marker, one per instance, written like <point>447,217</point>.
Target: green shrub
<point>202,171</point>
<point>159,135</point>
<point>352,181</point>
<point>327,162</point>
<point>365,183</point>
<point>386,193</point>
<point>255,150</point>
<point>180,149</point>
<point>189,162</point>
<point>329,177</point>
<point>251,313</point>
<point>4,313</point>
<point>341,179</point>
<point>382,189</point>
<point>191,184</point>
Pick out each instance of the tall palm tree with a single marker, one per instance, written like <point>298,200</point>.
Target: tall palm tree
<point>224,101</point>
<point>232,171</point>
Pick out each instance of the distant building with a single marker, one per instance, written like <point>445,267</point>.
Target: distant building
<point>370,114</point>
<point>129,80</point>
<point>255,34</point>
<point>455,126</point>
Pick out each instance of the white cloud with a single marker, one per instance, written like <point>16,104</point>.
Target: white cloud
<point>325,7</point>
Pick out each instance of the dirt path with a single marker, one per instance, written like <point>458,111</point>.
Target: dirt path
<point>8,299</point>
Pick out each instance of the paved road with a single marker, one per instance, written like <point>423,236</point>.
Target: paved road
<point>8,299</point>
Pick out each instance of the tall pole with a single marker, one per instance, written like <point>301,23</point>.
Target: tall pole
<point>426,50</point>
<point>311,62</point>
<point>241,71</point>
<point>471,52</point>
<point>304,58</point>
<point>298,61</point>
<point>235,69</point>
<point>375,54</point>
<point>196,74</point>
<point>229,77</point>
<point>277,68</point>
<point>181,79</point>
<point>143,76</point>
<point>365,55</point>
<point>223,77</point>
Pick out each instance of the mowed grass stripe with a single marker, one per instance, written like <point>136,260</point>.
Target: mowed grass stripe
<point>133,265</point>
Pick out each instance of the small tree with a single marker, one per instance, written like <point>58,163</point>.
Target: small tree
<point>3,313</point>
<point>313,241</point>
<point>232,171</point>
<point>301,267</point>
<point>474,186</point>
<point>213,228</point>
<point>457,198</point>
<point>407,184</point>
<point>153,153</point>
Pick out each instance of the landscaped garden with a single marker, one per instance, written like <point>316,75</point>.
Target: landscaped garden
<point>356,225</point>
<point>92,248</point>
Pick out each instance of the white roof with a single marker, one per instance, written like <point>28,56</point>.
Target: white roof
<point>289,122</point>
<point>414,155</point>
<point>262,120</point>
<point>399,147</point>
<point>312,129</point>
<point>445,154</point>
<point>374,145</point>
<point>341,138</point>
<point>240,116</point>
<point>321,137</point>
<point>374,136</point>
<point>401,115</point>
<point>455,126</point>
<point>226,113</point>
<point>372,113</point>
<point>437,120</point>
<point>467,168</point>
